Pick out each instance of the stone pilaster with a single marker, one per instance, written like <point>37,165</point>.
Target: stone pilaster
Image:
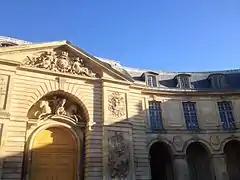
<point>181,167</point>
<point>219,166</point>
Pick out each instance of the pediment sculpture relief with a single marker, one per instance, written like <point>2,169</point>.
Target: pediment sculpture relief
<point>59,62</point>
<point>57,106</point>
<point>118,156</point>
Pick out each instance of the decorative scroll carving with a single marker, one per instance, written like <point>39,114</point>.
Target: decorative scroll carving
<point>3,90</point>
<point>55,106</point>
<point>59,62</point>
<point>118,157</point>
<point>116,105</point>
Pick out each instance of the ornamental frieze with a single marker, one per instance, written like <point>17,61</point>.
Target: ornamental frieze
<point>118,156</point>
<point>59,62</point>
<point>116,105</point>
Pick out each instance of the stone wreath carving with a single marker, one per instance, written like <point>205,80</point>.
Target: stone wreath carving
<point>116,105</point>
<point>57,106</point>
<point>214,140</point>
<point>118,157</point>
<point>59,62</point>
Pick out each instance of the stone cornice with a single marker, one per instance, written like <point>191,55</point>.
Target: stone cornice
<point>7,61</point>
<point>188,93</point>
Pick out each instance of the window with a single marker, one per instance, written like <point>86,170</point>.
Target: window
<point>155,115</point>
<point>183,81</point>
<point>217,80</point>
<point>226,115</point>
<point>190,114</point>
<point>152,81</point>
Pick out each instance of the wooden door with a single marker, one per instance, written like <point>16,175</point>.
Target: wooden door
<point>54,155</point>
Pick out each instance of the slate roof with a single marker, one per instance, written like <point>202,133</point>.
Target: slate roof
<point>199,80</point>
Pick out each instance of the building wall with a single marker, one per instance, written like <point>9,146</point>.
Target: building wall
<point>21,88</point>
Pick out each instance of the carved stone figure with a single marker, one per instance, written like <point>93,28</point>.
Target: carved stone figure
<point>44,109</point>
<point>78,68</point>
<point>118,157</point>
<point>56,106</point>
<point>61,110</point>
<point>59,62</point>
<point>72,111</point>
<point>116,105</point>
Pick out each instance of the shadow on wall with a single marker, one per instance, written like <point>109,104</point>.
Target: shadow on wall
<point>67,151</point>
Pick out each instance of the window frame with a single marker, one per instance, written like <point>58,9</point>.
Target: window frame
<point>183,81</point>
<point>190,114</point>
<point>217,81</point>
<point>153,81</point>
<point>225,111</point>
<point>159,125</point>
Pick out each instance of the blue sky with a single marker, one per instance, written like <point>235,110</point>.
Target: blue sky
<point>168,35</point>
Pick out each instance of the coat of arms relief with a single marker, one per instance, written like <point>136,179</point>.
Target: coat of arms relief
<point>56,106</point>
<point>59,61</point>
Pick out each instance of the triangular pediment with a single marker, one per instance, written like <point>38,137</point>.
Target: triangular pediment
<point>61,57</point>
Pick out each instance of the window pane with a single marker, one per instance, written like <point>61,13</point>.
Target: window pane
<point>190,115</point>
<point>226,115</point>
<point>155,115</point>
<point>184,82</point>
<point>152,81</point>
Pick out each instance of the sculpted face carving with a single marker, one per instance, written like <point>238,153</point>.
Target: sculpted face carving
<point>116,105</point>
<point>118,157</point>
<point>59,62</point>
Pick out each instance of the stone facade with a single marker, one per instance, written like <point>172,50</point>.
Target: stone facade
<point>56,84</point>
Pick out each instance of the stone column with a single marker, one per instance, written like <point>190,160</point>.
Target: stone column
<point>180,167</point>
<point>219,166</point>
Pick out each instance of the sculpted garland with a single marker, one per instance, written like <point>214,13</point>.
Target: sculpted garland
<point>59,62</point>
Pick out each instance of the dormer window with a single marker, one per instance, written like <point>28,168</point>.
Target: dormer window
<point>151,78</point>
<point>6,44</point>
<point>183,81</point>
<point>152,81</point>
<point>217,81</point>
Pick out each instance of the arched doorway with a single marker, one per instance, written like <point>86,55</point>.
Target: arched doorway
<point>199,162</point>
<point>232,159</point>
<point>161,162</point>
<point>54,155</point>
<point>55,148</point>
